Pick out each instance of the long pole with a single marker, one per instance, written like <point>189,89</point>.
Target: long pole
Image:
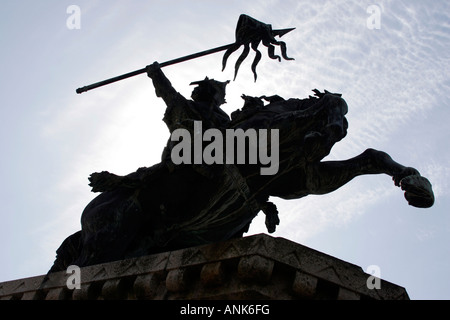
<point>143,70</point>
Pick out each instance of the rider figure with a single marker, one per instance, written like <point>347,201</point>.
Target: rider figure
<point>207,98</point>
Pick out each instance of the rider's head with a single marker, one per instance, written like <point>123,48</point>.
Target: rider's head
<point>209,91</point>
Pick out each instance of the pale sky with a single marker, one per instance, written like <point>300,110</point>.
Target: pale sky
<point>395,80</point>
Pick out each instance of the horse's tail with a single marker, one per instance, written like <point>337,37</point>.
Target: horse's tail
<point>67,253</point>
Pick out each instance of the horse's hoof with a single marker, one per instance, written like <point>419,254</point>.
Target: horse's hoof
<point>406,172</point>
<point>418,191</point>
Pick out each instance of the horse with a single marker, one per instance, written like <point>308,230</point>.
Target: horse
<point>168,207</point>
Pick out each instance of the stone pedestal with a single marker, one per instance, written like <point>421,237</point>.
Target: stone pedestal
<point>255,267</point>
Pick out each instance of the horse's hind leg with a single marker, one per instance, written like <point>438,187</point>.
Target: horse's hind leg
<point>327,176</point>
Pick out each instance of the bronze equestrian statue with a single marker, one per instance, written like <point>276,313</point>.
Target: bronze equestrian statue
<point>171,206</point>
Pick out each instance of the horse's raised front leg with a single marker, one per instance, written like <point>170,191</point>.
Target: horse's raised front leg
<point>327,176</point>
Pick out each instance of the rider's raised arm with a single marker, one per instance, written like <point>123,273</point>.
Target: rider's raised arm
<point>162,85</point>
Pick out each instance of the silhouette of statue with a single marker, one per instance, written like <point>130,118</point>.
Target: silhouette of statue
<point>169,206</point>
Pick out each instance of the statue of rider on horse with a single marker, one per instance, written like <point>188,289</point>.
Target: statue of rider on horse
<point>173,205</point>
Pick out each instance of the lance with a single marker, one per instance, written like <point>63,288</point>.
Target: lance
<point>249,33</point>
